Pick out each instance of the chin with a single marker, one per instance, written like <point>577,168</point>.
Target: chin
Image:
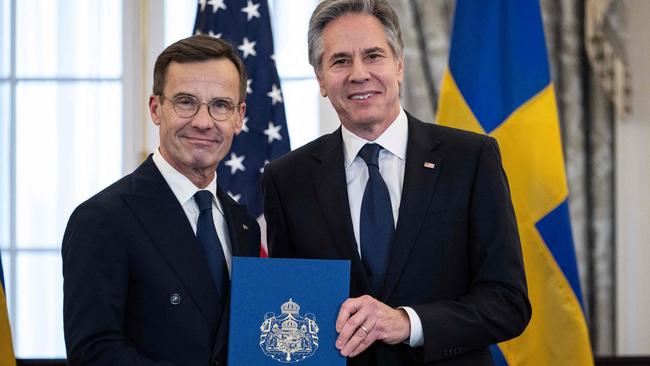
<point>204,162</point>
<point>366,122</point>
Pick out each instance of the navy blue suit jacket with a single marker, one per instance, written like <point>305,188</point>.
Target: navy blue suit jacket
<point>456,256</point>
<point>137,289</point>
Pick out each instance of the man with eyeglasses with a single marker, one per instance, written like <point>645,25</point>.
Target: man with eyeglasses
<point>146,261</point>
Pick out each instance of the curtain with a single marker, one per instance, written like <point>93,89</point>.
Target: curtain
<point>587,118</point>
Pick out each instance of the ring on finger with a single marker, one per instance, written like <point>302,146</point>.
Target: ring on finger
<point>364,329</point>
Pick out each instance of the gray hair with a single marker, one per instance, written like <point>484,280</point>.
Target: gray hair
<point>329,10</point>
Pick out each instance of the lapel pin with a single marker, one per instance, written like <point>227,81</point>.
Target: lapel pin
<point>429,165</point>
<point>244,226</point>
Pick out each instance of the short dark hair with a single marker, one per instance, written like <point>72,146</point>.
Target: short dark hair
<point>194,49</point>
<point>329,10</point>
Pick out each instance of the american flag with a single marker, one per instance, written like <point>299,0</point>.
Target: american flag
<point>247,25</point>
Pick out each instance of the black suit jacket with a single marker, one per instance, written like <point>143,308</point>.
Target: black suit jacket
<point>456,256</point>
<point>137,289</point>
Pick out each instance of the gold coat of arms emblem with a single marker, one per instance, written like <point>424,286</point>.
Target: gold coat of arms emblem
<point>289,337</point>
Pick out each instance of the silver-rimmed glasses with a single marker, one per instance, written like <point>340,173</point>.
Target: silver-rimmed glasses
<point>187,106</point>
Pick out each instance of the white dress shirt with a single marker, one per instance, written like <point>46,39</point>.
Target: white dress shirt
<point>184,191</point>
<point>392,162</point>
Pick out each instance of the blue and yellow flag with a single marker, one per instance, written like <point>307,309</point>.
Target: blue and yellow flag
<point>6,347</point>
<point>498,83</point>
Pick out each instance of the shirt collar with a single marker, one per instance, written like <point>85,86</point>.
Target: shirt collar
<point>394,140</point>
<point>182,187</point>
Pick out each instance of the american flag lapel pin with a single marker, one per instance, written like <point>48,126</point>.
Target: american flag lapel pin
<point>429,165</point>
<point>244,226</point>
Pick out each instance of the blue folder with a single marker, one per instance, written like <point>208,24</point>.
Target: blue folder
<point>283,311</point>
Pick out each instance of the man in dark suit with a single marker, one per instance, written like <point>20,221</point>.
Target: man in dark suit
<point>146,261</point>
<point>423,212</point>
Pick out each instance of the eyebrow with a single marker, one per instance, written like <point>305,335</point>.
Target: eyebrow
<point>365,52</point>
<point>339,55</point>
<point>374,50</point>
<point>184,94</point>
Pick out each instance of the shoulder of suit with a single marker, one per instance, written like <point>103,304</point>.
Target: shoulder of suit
<point>105,205</point>
<point>306,152</point>
<point>109,198</point>
<point>448,134</point>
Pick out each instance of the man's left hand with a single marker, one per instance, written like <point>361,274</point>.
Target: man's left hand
<point>364,320</point>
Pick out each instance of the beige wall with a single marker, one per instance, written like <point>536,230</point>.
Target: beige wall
<point>633,200</point>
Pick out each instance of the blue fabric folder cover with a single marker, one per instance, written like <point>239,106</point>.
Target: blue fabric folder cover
<point>283,311</point>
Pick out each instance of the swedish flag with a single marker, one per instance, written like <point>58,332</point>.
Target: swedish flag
<point>498,83</point>
<point>6,349</point>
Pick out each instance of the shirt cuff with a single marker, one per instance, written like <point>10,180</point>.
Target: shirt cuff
<point>417,337</point>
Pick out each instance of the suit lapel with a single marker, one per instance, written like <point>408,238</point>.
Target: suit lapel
<point>236,218</point>
<point>331,190</point>
<point>417,191</point>
<point>237,227</point>
<point>165,222</point>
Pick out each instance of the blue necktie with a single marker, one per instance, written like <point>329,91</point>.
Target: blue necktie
<point>376,225</point>
<point>207,235</point>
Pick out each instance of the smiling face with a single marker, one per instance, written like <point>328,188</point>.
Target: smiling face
<point>360,74</point>
<point>195,146</point>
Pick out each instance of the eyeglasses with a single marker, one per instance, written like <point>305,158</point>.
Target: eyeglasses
<point>187,106</point>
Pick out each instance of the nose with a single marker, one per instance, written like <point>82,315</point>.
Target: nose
<point>202,120</point>
<point>359,72</point>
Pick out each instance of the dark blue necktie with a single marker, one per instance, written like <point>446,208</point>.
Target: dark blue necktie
<point>207,235</point>
<point>376,225</point>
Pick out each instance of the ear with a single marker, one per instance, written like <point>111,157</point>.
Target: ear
<point>321,83</point>
<point>240,121</point>
<point>155,109</point>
